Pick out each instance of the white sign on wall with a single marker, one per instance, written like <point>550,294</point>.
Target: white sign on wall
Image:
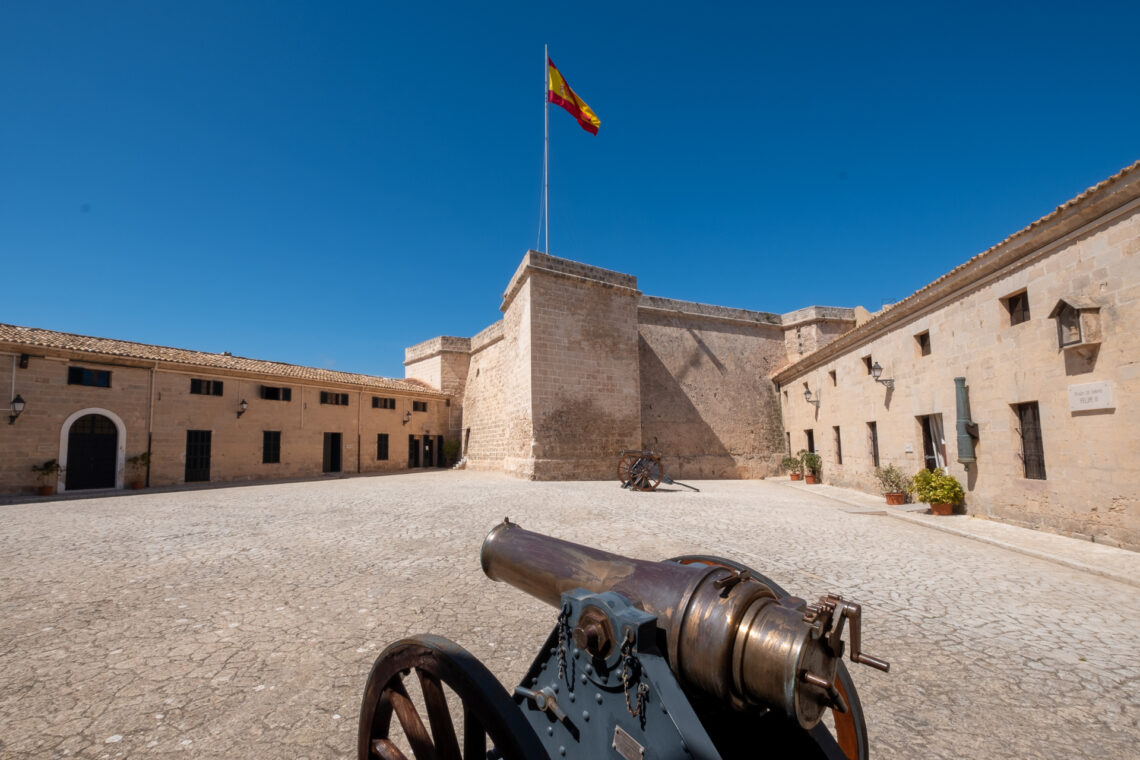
<point>1089,396</point>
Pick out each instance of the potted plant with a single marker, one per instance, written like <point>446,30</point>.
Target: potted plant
<point>793,466</point>
<point>894,484</point>
<point>48,473</point>
<point>938,488</point>
<point>139,464</point>
<point>813,464</point>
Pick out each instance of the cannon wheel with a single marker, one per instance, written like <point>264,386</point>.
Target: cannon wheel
<point>850,727</point>
<point>625,468</point>
<point>488,711</point>
<point>647,473</point>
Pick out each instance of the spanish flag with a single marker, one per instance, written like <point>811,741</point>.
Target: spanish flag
<point>559,93</point>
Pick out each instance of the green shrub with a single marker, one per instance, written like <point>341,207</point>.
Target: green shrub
<point>892,480</point>
<point>813,462</point>
<point>451,450</point>
<point>937,487</point>
<point>792,464</point>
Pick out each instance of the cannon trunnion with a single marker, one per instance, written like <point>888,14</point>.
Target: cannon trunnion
<point>696,657</point>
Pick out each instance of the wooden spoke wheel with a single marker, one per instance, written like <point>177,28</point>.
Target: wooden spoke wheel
<point>625,468</point>
<point>491,722</point>
<point>646,473</point>
<point>851,726</point>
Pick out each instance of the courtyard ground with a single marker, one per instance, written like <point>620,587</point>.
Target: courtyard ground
<point>241,622</point>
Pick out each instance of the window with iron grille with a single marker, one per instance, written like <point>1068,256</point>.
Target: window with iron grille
<point>383,403</point>
<point>1018,307</point>
<point>335,399</point>
<point>1032,449</point>
<point>838,446</point>
<point>273,393</point>
<point>98,378</point>
<point>873,439</point>
<point>419,406</point>
<point>206,387</point>
<point>271,447</point>
<point>381,447</point>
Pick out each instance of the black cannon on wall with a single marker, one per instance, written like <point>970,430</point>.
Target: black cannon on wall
<point>695,657</point>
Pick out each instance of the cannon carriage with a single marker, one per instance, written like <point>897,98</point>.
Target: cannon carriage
<point>694,657</point>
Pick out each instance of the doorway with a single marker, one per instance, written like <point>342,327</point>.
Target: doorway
<point>413,451</point>
<point>933,442</point>
<point>197,455</point>
<point>332,453</point>
<point>92,448</point>
<point>429,451</point>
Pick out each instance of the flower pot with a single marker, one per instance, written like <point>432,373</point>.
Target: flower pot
<point>46,490</point>
<point>942,508</point>
<point>812,480</point>
<point>895,499</point>
<point>794,476</point>
<point>137,485</point>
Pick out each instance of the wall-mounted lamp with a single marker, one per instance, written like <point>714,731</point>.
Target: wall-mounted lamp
<point>808,398</point>
<point>407,417</point>
<point>242,407</point>
<point>16,408</point>
<point>877,371</point>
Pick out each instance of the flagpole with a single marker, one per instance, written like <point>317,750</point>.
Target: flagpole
<point>546,140</point>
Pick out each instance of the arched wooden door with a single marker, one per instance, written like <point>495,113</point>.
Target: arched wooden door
<point>92,446</point>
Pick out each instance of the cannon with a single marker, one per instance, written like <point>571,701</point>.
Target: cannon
<point>642,471</point>
<point>694,657</point>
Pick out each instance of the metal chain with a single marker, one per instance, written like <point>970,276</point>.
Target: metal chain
<point>563,634</point>
<point>631,668</point>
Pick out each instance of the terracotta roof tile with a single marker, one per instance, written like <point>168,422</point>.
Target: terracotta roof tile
<point>36,337</point>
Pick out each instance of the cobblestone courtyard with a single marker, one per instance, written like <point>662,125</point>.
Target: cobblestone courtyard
<point>242,622</point>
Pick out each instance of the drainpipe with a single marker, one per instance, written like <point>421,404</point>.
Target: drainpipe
<point>967,428</point>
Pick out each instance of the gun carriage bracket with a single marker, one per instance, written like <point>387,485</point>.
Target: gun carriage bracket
<point>695,657</point>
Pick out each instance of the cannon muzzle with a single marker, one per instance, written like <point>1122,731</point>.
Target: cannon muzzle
<point>727,633</point>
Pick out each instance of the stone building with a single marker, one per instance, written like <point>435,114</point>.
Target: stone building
<point>93,404</point>
<point>1040,328</point>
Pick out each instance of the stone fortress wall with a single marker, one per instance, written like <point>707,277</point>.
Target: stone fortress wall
<point>583,365</point>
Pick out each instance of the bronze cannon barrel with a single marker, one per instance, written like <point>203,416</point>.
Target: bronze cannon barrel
<point>727,634</point>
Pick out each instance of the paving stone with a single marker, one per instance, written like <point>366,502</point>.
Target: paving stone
<point>242,622</point>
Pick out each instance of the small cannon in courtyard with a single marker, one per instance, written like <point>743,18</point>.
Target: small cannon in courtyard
<point>642,471</point>
<point>695,657</point>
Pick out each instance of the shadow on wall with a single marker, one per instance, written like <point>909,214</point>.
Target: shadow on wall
<point>673,427</point>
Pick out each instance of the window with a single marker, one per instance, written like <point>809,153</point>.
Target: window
<point>867,363</point>
<point>873,440</point>
<point>273,393</point>
<point>1068,325</point>
<point>335,399</point>
<point>1018,307</point>
<point>419,406</point>
<point>1032,449</point>
<point>383,403</point>
<point>99,378</point>
<point>831,374</point>
<point>381,447</point>
<point>838,446</point>
<point>271,447</point>
<point>205,387</point>
<point>923,342</point>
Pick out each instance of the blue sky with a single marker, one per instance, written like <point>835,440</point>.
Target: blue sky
<point>327,183</point>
